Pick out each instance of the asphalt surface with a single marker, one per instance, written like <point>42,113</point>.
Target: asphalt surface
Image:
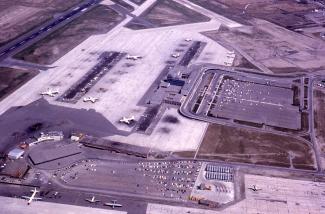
<point>55,194</point>
<point>19,119</point>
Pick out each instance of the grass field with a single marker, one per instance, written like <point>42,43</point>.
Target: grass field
<point>97,21</point>
<point>20,16</point>
<point>167,13</point>
<point>319,115</point>
<point>11,79</point>
<point>248,146</point>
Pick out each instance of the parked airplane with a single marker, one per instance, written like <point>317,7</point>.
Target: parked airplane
<point>133,57</point>
<point>90,99</point>
<point>176,55</point>
<point>245,8</point>
<point>113,204</point>
<point>127,120</point>
<point>92,200</point>
<point>188,39</point>
<point>254,189</point>
<point>32,197</point>
<point>50,92</point>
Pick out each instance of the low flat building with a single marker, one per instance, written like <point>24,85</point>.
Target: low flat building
<point>48,155</point>
<point>16,154</point>
<point>175,99</point>
<point>52,135</point>
<point>15,169</point>
<point>76,136</point>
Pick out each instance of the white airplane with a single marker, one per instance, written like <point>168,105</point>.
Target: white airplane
<point>133,57</point>
<point>90,99</point>
<point>50,92</point>
<point>176,55</point>
<point>127,120</point>
<point>245,8</point>
<point>32,197</point>
<point>188,39</point>
<point>113,204</point>
<point>92,200</point>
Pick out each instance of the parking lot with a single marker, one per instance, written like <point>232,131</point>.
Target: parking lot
<point>253,99</point>
<point>259,103</point>
<point>169,179</point>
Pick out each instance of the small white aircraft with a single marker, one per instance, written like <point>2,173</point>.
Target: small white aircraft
<point>133,57</point>
<point>92,200</point>
<point>90,99</point>
<point>113,204</point>
<point>176,55</point>
<point>50,92</point>
<point>127,120</point>
<point>32,197</point>
<point>188,39</point>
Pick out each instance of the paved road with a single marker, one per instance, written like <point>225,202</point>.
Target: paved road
<point>41,31</point>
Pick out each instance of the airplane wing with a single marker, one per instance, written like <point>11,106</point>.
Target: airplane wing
<point>37,199</point>
<point>25,197</point>
<point>92,201</point>
<point>113,205</point>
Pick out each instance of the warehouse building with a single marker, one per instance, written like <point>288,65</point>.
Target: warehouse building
<point>15,154</point>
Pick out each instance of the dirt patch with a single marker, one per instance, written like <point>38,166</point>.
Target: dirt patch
<point>20,16</point>
<point>242,62</point>
<point>138,2</point>
<point>11,79</point>
<point>240,145</point>
<point>166,13</point>
<point>185,154</point>
<point>99,20</point>
<point>122,3</point>
<point>319,115</point>
<point>286,13</point>
<point>279,50</point>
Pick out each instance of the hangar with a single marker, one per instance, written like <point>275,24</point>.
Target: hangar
<point>48,155</point>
